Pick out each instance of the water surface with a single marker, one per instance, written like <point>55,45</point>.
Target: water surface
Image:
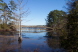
<point>38,42</point>
<point>31,42</point>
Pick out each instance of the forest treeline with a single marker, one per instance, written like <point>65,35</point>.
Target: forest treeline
<point>67,23</point>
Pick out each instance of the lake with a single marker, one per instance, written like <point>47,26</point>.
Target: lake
<point>38,42</point>
<point>31,42</point>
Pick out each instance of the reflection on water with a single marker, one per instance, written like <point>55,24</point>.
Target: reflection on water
<point>33,29</point>
<point>31,42</point>
<point>66,40</point>
<point>70,42</point>
<point>8,43</point>
<point>36,42</point>
<point>54,41</point>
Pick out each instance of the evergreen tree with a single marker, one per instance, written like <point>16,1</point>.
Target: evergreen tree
<point>56,19</point>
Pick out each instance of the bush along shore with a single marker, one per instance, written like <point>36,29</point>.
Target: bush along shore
<point>7,29</point>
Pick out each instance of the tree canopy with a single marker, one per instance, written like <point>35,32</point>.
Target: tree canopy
<point>55,17</point>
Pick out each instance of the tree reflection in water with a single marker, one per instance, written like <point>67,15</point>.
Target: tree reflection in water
<point>53,42</point>
<point>68,41</point>
<point>8,43</point>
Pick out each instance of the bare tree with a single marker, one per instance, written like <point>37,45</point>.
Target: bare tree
<point>21,12</point>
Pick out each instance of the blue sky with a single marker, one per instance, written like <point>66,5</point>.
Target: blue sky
<point>39,9</point>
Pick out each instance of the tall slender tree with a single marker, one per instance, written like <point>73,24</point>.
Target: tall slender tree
<point>21,11</point>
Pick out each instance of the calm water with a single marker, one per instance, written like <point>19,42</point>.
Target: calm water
<point>31,42</point>
<point>38,40</point>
